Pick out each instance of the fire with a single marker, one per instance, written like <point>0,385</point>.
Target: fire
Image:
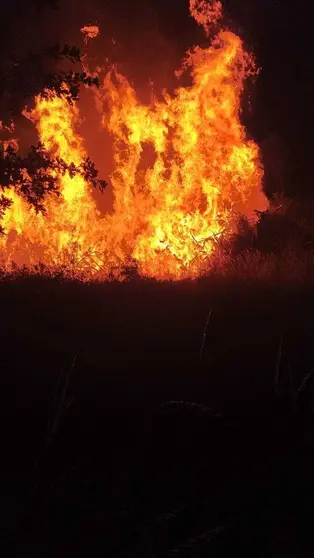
<point>90,32</point>
<point>63,230</point>
<point>206,13</point>
<point>184,168</point>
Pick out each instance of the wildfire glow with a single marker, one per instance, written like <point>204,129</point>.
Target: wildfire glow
<point>170,207</point>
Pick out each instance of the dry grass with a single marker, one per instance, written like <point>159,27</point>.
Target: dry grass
<point>279,249</point>
<point>288,267</point>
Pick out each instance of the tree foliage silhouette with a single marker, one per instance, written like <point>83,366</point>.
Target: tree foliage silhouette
<point>53,69</point>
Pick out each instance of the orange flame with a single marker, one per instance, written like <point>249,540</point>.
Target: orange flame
<point>206,13</point>
<point>184,168</point>
<point>90,32</point>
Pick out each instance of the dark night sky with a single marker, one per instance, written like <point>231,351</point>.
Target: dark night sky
<point>151,37</point>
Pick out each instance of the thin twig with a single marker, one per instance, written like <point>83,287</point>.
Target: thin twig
<point>305,382</point>
<point>304,395</point>
<point>61,404</point>
<point>205,335</point>
<point>191,406</point>
<point>278,364</point>
<point>292,390</point>
<point>198,544</point>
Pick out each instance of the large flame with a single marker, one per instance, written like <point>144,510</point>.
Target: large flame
<point>184,169</point>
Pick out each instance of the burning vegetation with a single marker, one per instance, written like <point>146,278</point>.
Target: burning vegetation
<point>169,211</point>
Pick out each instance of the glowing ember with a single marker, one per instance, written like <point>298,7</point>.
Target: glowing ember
<point>168,210</point>
<point>90,32</point>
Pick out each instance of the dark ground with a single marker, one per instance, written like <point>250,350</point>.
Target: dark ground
<point>123,474</point>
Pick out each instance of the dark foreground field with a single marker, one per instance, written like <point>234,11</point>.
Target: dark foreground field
<point>123,437</point>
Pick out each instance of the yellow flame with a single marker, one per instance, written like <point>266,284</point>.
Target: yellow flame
<point>170,208</point>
